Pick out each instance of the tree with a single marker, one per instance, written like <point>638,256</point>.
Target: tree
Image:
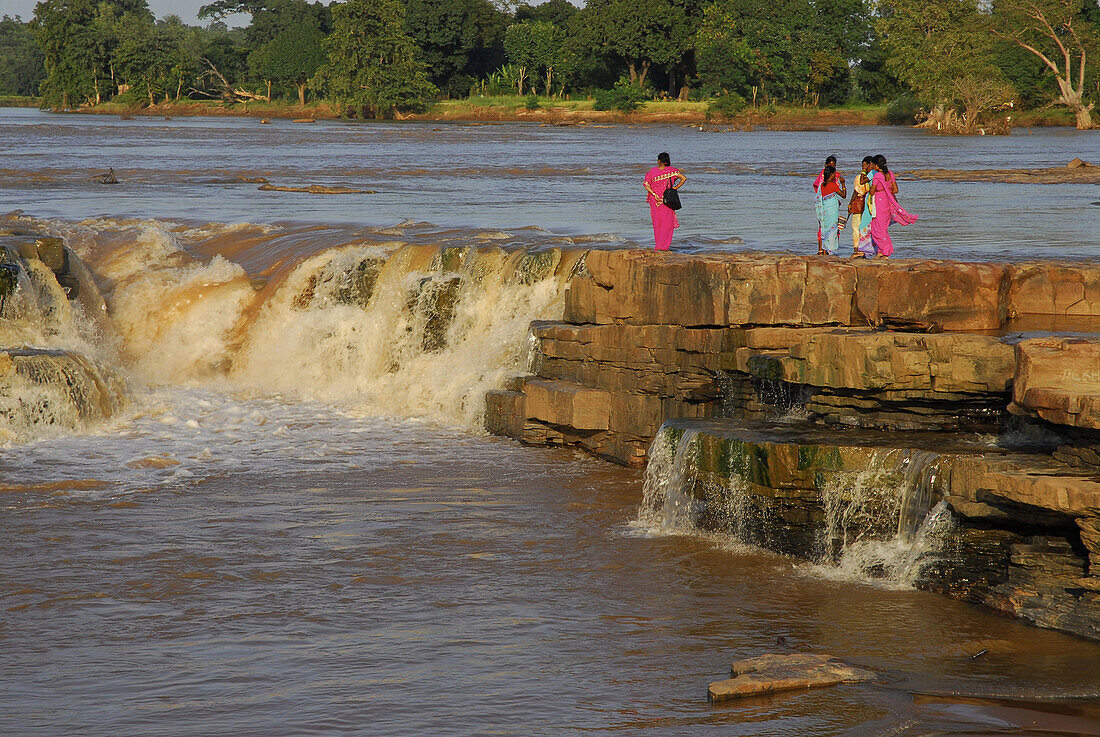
<point>21,61</point>
<point>460,40</point>
<point>63,29</point>
<point>933,43</point>
<point>641,32</point>
<point>292,57</point>
<point>78,40</point>
<point>784,49</point>
<point>534,46</point>
<point>151,58</point>
<point>1054,32</point>
<point>723,56</point>
<point>874,82</point>
<point>372,66</point>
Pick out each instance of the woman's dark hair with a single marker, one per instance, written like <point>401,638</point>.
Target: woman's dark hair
<point>831,161</point>
<point>662,158</point>
<point>868,159</point>
<point>827,173</point>
<point>880,162</point>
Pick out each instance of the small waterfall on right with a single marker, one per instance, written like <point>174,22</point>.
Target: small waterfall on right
<point>882,516</point>
<point>887,521</point>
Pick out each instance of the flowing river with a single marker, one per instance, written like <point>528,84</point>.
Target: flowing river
<point>293,523</point>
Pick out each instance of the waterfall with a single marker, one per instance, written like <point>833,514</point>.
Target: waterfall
<point>414,332</point>
<point>884,522</point>
<point>668,500</point>
<point>376,325</point>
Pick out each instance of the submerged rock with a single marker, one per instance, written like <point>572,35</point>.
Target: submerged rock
<point>43,391</point>
<point>770,673</point>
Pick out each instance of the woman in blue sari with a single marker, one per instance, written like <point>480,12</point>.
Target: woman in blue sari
<point>830,198</point>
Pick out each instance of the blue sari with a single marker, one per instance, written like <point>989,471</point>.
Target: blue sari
<point>828,219</point>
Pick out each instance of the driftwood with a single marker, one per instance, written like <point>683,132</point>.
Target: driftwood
<point>108,178</point>
<point>228,92</point>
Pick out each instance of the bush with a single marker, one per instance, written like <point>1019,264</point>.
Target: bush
<point>726,105</point>
<point>625,97</point>
<point>904,110</point>
<point>531,102</point>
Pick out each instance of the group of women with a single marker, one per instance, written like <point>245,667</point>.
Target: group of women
<point>872,209</point>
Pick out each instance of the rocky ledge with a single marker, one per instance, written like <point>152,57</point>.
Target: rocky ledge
<point>934,347</point>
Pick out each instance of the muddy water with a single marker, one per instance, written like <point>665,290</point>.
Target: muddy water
<point>572,181</point>
<point>235,565</point>
<point>296,525</point>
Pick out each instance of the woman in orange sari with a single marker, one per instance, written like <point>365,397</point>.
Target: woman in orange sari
<point>660,178</point>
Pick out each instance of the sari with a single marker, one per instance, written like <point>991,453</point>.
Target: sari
<point>887,212</point>
<point>828,204</point>
<point>862,234</point>
<point>664,218</point>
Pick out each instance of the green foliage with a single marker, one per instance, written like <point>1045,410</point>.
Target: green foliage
<point>501,82</point>
<point>933,43</point>
<point>22,66</point>
<point>558,12</point>
<point>626,97</point>
<point>372,67</point>
<point>904,110</point>
<point>531,102</point>
<point>874,82</point>
<point>1032,80</point>
<point>293,56</point>
<point>536,47</point>
<point>642,33</point>
<point>794,50</point>
<point>460,40</point>
<point>726,105</point>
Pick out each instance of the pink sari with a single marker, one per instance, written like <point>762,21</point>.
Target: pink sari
<point>887,212</point>
<point>664,218</point>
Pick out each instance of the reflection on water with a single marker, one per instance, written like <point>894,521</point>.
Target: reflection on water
<point>288,569</point>
<point>567,180</point>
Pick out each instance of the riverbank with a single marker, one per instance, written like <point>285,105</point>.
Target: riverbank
<point>557,112</point>
<point>976,383</point>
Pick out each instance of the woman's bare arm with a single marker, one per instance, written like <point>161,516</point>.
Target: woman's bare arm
<point>683,178</point>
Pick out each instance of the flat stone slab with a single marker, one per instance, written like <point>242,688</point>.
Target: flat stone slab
<point>770,673</point>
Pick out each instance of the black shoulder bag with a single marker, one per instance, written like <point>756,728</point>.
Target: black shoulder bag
<point>671,198</point>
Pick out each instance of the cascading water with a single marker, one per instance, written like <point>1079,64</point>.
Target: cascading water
<point>668,498</point>
<point>883,523</point>
<point>388,327</point>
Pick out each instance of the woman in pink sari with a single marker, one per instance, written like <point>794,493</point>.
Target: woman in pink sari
<point>660,178</point>
<point>884,190</point>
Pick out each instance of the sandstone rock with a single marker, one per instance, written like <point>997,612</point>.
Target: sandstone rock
<point>1058,379</point>
<point>1036,486</point>
<point>567,405</point>
<point>771,673</point>
<point>932,295</point>
<point>1054,289</point>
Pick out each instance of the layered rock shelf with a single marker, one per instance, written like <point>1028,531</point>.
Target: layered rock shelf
<point>945,350</point>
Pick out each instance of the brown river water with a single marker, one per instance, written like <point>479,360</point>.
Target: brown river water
<point>295,526</point>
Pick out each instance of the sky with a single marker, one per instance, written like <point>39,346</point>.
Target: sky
<point>186,9</point>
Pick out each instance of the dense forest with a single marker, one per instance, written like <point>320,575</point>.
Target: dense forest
<point>954,60</point>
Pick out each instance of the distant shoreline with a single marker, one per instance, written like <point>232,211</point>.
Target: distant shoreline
<point>551,112</point>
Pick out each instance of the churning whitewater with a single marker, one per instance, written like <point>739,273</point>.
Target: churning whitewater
<point>395,328</point>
